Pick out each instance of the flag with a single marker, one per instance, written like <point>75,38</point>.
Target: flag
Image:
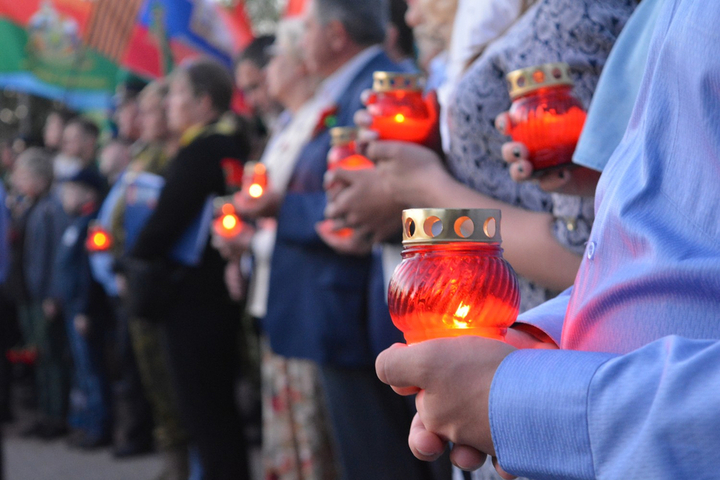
<point>111,26</point>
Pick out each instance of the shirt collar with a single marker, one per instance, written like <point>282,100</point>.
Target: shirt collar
<point>334,85</point>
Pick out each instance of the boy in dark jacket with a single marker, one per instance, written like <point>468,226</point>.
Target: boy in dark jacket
<point>83,306</point>
<point>41,323</point>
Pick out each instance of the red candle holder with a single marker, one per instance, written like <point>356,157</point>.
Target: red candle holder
<point>98,239</point>
<point>544,115</point>
<point>257,174</point>
<point>343,155</point>
<point>453,279</point>
<point>228,224</point>
<point>398,109</point>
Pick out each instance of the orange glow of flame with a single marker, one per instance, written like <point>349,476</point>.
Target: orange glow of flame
<point>100,240</point>
<point>255,190</point>
<point>399,118</point>
<point>229,222</point>
<point>227,209</point>
<point>460,314</point>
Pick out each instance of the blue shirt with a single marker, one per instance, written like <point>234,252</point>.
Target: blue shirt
<point>634,392</point>
<point>617,89</point>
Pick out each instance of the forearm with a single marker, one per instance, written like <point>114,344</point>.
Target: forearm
<point>585,415</point>
<point>528,242</point>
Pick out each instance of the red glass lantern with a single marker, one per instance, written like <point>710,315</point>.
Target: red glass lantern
<point>343,155</point>
<point>98,239</point>
<point>398,109</point>
<point>256,172</point>
<point>544,115</point>
<point>228,224</point>
<point>453,279</point>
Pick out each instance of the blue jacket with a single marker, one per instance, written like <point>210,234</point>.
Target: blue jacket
<point>45,225</point>
<point>73,282</point>
<point>320,302</point>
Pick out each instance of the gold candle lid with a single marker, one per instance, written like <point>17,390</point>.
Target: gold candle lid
<point>389,81</point>
<point>525,80</point>
<point>444,225</point>
<point>341,136</point>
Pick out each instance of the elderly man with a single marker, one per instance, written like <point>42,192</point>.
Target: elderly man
<point>321,303</point>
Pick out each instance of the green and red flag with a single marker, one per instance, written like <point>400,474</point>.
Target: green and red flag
<point>71,50</point>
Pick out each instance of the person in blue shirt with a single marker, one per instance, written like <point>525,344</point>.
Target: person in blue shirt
<point>631,392</point>
<point>84,309</point>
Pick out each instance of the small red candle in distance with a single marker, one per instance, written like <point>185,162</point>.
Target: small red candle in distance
<point>453,279</point>
<point>228,224</point>
<point>98,239</point>
<point>342,155</point>
<point>257,174</point>
<point>544,115</point>
<point>398,109</point>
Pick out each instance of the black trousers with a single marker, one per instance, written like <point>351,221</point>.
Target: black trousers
<point>202,337</point>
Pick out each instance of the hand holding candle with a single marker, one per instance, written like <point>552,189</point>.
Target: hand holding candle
<point>544,116</point>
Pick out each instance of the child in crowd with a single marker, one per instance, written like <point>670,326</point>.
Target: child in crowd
<point>40,319</point>
<point>78,150</point>
<point>83,305</point>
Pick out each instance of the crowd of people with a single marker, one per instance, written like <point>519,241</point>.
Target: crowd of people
<point>616,255</point>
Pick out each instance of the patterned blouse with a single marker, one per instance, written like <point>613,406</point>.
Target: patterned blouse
<point>578,32</point>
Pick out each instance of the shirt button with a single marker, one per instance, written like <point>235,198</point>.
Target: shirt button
<point>591,250</point>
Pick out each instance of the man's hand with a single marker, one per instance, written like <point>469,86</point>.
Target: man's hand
<point>407,170</point>
<point>82,324</point>
<point>233,248</point>
<point>50,309</point>
<point>452,378</point>
<point>344,240</point>
<point>267,205</point>
<point>361,200</point>
<point>570,180</point>
<point>234,281</point>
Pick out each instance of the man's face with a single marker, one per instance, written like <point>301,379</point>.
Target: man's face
<point>78,144</point>
<point>250,79</point>
<point>128,121</point>
<point>316,43</point>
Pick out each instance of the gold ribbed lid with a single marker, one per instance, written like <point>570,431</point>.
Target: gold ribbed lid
<point>443,225</point>
<point>341,136</point>
<point>525,80</point>
<point>389,81</point>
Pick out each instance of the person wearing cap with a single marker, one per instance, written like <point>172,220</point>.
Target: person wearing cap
<point>83,304</point>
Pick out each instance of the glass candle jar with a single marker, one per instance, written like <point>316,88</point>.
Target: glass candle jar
<point>544,115</point>
<point>453,279</point>
<point>342,152</point>
<point>398,109</point>
<point>343,155</point>
<point>98,239</point>
<point>228,224</point>
<point>256,173</point>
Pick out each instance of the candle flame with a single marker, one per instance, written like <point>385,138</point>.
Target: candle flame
<point>399,118</point>
<point>229,222</point>
<point>255,190</point>
<point>460,314</point>
<point>100,239</point>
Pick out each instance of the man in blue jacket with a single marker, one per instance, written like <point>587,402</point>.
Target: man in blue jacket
<point>320,301</point>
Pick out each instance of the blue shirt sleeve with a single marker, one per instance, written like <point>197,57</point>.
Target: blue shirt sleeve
<point>617,89</point>
<point>651,413</point>
<point>549,316</point>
